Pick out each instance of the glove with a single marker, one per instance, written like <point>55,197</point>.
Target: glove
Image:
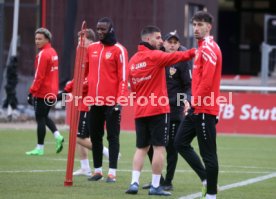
<point>30,99</point>
<point>117,107</point>
<point>59,95</point>
<point>217,120</point>
<point>187,106</point>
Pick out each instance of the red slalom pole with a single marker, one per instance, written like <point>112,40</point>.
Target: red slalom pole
<point>75,113</point>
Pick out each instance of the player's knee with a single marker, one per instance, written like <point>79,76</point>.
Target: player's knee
<point>177,145</point>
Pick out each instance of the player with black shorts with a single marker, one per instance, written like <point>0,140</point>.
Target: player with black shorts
<point>151,104</point>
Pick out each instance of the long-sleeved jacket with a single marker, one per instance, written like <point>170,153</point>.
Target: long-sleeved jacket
<point>178,77</point>
<point>46,73</point>
<point>69,88</point>
<point>108,74</point>
<point>148,80</point>
<point>206,77</point>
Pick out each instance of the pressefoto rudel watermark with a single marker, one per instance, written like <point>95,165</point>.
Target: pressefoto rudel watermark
<point>132,98</point>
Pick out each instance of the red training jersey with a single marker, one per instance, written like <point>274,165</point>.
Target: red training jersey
<point>206,77</point>
<point>45,82</point>
<point>148,79</point>
<point>108,74</point>
<point>69,88</point>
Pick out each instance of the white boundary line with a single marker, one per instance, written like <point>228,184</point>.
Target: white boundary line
<point>248,88</point>
<point>234,185</point>
<point>191,196</point>
<point>128,170</point>
<point>33,171</point>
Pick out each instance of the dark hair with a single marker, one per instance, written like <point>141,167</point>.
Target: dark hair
<point>89,33</point>
<point>45,32</point>
<point>108,21</point>
<point>149,30</point>
<point>203,16</point>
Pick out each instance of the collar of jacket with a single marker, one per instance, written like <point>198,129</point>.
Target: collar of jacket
<point>48,45</point>
<point>205,39</point>
<point>146,44</point>
<point>109,39</point>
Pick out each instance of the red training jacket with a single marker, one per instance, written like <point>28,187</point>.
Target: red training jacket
<point>108,74</point>
<point>69,88</point>
<point>147,78</point>
<point>206,77</point>
<point>45,82</point>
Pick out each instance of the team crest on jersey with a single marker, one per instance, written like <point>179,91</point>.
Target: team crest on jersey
<point>172,71</point>
<point>108,55</point>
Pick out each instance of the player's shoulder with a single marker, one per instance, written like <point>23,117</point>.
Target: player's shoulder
<point>120,47</point>
<point>209,43</point>
<point>93,44</point>
<point>47,53</point>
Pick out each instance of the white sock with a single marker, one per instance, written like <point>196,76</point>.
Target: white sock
<point>155,180</point>
<point>135,176</point>
<point>204,183</point>
<point>56,134</point>
<point>209,196</point>
<point>85,164</point>
<point>112,172</point>
<point>40,146</point>
<point>105,152</point>
<point>98,170</point>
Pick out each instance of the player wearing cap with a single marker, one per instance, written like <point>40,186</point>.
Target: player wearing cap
<point>178,78</point>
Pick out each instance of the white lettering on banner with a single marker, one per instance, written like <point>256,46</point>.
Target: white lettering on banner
<point>226,111</point>
<point>254,113</point>
<point>245,112</point>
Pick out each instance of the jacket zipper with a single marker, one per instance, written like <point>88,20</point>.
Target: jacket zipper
<point>99,70</point>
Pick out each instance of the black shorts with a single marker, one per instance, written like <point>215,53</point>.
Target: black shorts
<point>152,130</point>
<point>83,128</point>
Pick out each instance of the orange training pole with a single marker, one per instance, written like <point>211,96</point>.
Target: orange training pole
<point>74,115</point>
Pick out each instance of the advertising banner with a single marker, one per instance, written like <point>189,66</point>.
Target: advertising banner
<point>244,113</point>
<point>252,113</point>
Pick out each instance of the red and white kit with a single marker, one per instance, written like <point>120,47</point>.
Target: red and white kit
<point>108,69</point>
<point>206,77</point>
<point>46,75</point>
<point>147,78</point>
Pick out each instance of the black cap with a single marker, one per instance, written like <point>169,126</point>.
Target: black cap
<point>171,35</point>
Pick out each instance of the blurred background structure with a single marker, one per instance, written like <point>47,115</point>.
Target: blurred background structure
<point>239,30</point>
<point>244,29</point>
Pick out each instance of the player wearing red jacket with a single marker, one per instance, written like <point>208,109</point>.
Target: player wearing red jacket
<point>44,90</point>
<point>107,82</point>
<point>151,104</point>
<point>201,120</point>
<point>83,137</point>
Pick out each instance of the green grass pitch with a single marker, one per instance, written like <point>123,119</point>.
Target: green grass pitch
<point>240,158</point>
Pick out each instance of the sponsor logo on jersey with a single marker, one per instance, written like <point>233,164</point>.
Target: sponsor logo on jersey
<point>53,68</point>
<point>94,54</point>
